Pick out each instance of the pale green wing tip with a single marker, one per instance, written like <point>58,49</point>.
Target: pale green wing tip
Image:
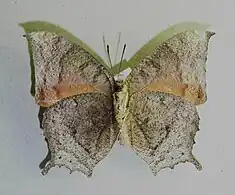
<point>116,69</point>
<point>31,26</point>
<point>189,25</point>
<point>164,36</point>
<point>35,26</point>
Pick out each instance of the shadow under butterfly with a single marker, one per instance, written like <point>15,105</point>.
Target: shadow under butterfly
<point>84,109</point>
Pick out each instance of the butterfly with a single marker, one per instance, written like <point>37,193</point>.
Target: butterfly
<point>85,108</point>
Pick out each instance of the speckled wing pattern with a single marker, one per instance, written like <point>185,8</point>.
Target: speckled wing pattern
<point>84,110</point>
<point>76,92</point>
<point>159,120</point>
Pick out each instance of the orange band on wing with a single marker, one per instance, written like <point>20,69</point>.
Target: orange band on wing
<point>49,96</point>
<point>192,93</point>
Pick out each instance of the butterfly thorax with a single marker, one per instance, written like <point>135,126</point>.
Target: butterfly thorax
<point>121,98</point>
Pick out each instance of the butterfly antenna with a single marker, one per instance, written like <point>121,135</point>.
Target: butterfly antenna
<point>109,58</point>
<point>106,51</point>
<point>120,64</point>
<point>117,49</point>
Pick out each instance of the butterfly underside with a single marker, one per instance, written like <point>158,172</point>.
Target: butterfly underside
<point>85,110</point>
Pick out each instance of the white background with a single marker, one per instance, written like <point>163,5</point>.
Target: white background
<point>22,146</point>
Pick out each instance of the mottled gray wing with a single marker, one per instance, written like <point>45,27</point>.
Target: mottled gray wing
<point>160,128</point>
<point>160,118</point>
<point>80,130</point>
<point>76,90</point>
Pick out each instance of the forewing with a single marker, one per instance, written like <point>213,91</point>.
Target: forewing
<point>64,69</point>
<point>177,66</point>
<point>76,90</point>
